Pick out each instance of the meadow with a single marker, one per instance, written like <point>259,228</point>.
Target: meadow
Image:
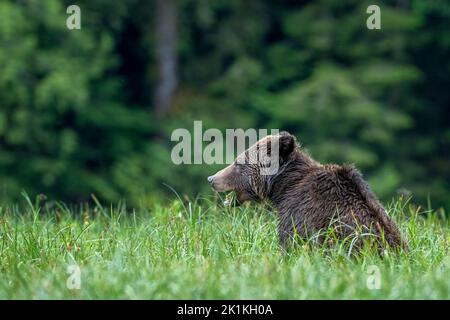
<point>201,250</point>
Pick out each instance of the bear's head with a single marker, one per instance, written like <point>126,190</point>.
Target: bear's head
<point>251,175</point>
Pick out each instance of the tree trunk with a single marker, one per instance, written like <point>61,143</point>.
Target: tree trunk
<point>166,41</point>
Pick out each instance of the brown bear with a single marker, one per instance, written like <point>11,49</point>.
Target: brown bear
<point>310,197</point>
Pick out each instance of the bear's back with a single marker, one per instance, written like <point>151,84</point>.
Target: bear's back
<point>333,195</point>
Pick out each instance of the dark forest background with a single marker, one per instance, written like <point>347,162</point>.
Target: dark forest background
<point>91,111</point>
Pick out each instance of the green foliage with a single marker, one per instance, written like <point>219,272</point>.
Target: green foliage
<point>76,113</point>
<point>202,251</point>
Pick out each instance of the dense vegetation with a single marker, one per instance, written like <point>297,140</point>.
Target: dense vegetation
<point>77,114</point>
<point>201,250</point>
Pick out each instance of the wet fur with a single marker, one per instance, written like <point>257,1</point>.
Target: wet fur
<point>312,197</point>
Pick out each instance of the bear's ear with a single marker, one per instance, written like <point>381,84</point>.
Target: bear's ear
<point>287,144</point>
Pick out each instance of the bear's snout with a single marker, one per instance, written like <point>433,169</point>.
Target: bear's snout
<point>212,181</point>
<point>222,181</point>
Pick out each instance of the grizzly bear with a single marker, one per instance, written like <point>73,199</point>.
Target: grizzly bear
<point>310,197</point>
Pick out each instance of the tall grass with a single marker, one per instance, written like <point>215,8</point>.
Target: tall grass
<point>200,250</point>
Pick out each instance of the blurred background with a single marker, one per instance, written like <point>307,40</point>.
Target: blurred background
<point>92,110</point>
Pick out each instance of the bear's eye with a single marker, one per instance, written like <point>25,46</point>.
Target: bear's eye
<point>266,164</point>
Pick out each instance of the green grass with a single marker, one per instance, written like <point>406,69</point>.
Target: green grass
<point>192,251</point>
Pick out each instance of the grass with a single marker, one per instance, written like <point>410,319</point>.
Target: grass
<point>203,251</point>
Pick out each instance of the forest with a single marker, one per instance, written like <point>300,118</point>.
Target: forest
<point>90,111</point>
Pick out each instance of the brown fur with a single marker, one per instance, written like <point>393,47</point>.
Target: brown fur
<point>309,196</point>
